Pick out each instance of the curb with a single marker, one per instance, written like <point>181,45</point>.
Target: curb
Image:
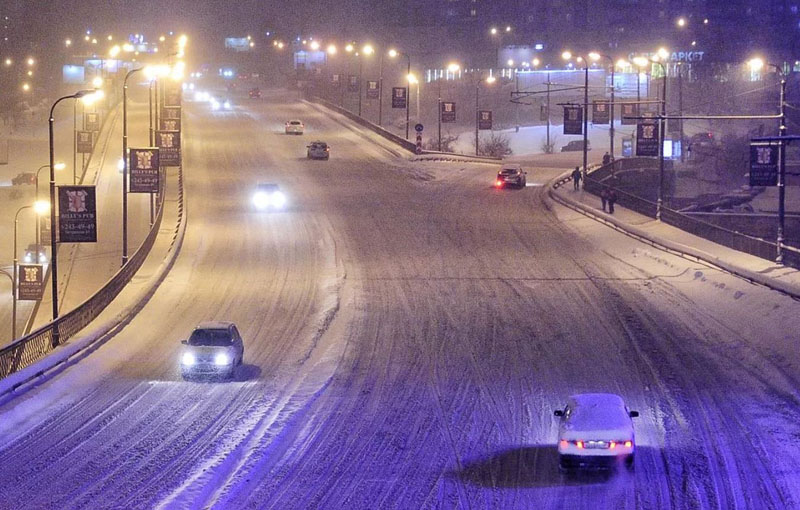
<point>77,349</point>
<point>672,247</point>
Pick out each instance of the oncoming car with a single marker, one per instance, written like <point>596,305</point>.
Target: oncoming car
<point>318,150</point>
<point>510,175</point>
<point>595,430</point>
<point>294,127</point>
<point>213,349</point>
<point>268,196</point>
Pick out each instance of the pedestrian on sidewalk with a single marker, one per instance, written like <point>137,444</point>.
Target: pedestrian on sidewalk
<point>604,198</point>
<point>606,159</point>
<point>612,197</point>
<point>576,178</point>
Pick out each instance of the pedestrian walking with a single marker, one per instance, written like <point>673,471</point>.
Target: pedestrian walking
<point>604,198</point>
<point>606,159</point>
<point>612,198</point>
<point>576,178</point>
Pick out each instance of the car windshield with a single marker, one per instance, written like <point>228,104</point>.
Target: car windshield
<point>210,337</point>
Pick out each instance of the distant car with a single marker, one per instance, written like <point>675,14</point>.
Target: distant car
<point>268,196</point>
<point>595,430</point>
<point>576,145</point>
<point>24,178</point>
<point>213,349</point>
<point>511,175</point>
<point>30,255</point>
<point>318,150</point>
<point>254,93</point>
<point>294,127</point>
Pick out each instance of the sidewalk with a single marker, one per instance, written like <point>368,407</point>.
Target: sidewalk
<point>782,278</point>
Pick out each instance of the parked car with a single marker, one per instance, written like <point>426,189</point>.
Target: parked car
<point>294,127</point>
<point>318,150</point>
<point>595,430</point>
<point>576,145</point>
<point>510,175</point>
<point>213,349</point>
<point>24,178</point>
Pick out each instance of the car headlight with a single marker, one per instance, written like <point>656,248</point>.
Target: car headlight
<point>222,359</point>
<point>227,105</point>
<point>261,200</point>
<point>214,104</point>
<point>188,359</point>
<point>42,258</point>
<point>278,200</point>
<point>28,258</point>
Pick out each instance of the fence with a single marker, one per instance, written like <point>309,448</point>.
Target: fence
<point>606,176</point>
<point>34,346</point>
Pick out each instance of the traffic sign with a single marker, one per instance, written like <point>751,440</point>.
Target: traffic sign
<point>418,128</point>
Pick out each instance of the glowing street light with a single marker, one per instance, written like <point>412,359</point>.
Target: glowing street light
<point>453,67</point>
<point>8,62</point>
<point>97,82</point>
<point>566,55</point>
<point>493,31</point>
<point>681,22</point>
<point>368,49</point>
<point>314,45</point>
<point>535,62</point>
<point>26,87</point>
<point>349,48</point>
<point>30,61</point>
<point>393,53</point>
<point>331,49</point>
<point>68,43</point>
<point>510,62</point>
<point>114,51</point>
<point>756,64</point>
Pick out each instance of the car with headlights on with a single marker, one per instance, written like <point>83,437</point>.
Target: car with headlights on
<point>268,196</point>
<point>318,150</point>
<point>213,349</point>
<point>595,431</point>
<point>31,256</point>
<point>511,175</point>
<point>294,127</point>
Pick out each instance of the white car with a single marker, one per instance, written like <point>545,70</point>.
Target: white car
<point>213,349</point>
<point>294,127</point>
<point>595,431</point>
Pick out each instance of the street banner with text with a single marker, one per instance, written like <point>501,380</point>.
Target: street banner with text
<point>77,214</point>
<point>92,122</point>
<point>485,119</point>
<point>30,283</point>
<point>764,163</point>
<point>630,110</point>
<point>170,144</point>
<point>399,97</point>
<point>83,141</point>
<point>372,89</point>
<point>448,111</point>
<point>170,124</point>
<point>647,138</point>
<point>573,120</point>
<point>144,170</point>
<point>601,114</point>
<point>352,83</point>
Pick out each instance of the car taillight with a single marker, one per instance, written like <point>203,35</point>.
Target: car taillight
<point>612,445</point>
<point>579,444</point>
<point>499,183</point>
<point>564,443</point>
<point>628,444</point>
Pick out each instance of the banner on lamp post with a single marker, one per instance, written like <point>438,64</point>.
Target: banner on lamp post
<point>77,214</point>
<point>601,113</point>
<point>336,80</point>
<point>448,112</point>
<point>373,90</point>
<point>352,83</point>
<point>169,143</point>
<point>30,283</point>
<point>485,119</point>
<point>573,120</point>
<point>84,142</point>
<point>170,124</point>
<point>399,97</point>
<point>630,110</point>
<point>92,122</point>
<point>144,170</point>
<point>647,138</point>
<point>764,163</point>
<point>171,112</point>
<point>172,94</point>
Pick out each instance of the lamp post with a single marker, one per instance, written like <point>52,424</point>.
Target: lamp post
<point>641,62</point>
<point>14,299</point>
<point>39,208</point>
<point>125,167</point>
<point>393,54</point>
<point>567,56</point>
<point>53,253</point>
<point>757,64</point>
<point>58,166</point>
<point>598,56</point>
<point>489,80</point>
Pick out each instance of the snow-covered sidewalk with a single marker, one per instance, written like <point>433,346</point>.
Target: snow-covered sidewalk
<point>758,270</point>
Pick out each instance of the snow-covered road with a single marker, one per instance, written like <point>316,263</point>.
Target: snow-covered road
<point>408,333</point>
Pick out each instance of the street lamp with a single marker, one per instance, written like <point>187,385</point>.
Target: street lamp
<point>489,80</point>
<point>40,208</point>
<point>393,54</point>
<point>568,56</point>
<point>757,64</point>
<point>53,253</point>
<point>125,167</point>
<point>642,62</point>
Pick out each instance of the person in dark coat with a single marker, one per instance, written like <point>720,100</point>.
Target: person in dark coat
<point>606,159</point>
<point>604,198</point>
<point>612,198</point>
<point>576,178</point>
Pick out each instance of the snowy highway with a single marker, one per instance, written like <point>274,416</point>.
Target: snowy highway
<point>409,331</point>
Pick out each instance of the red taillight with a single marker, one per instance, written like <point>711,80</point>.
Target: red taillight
<point>564,443</point>
<point>499,183</point>
<point>628,444</point>
<point>612,445</point>
<point>579,444</point>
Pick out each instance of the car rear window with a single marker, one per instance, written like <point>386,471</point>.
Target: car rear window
<point>295,122</point>
<point>211,337</point>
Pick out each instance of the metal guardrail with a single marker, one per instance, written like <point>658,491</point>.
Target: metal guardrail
<point>736,240</point>
<point>32,347</point>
